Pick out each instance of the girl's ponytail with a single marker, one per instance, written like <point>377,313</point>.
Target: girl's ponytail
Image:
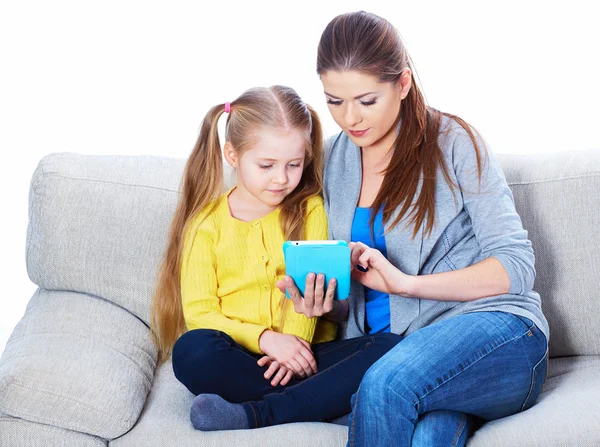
<point>201,183</point>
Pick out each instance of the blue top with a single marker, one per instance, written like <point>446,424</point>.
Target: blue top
<point>377,315</point>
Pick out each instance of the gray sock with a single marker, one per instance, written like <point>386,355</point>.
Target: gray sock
<point>211,412</point>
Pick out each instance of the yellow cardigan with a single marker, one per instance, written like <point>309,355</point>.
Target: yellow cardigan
<point>228,274</point>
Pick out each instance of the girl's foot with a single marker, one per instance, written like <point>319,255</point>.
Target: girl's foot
<point>211,412</point>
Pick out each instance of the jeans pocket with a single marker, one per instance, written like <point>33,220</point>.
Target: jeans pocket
<point>538,377</point>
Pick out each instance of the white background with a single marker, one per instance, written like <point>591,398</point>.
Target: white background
<point>128,77</point>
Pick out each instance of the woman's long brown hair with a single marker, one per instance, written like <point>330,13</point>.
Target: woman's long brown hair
<point>364,42</point>
<point>274,108</point>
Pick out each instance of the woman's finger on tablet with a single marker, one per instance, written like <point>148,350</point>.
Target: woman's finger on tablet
<point>357,250</point>
<point>371,256</point>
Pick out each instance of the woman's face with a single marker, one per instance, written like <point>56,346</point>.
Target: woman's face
<point>364,107</point>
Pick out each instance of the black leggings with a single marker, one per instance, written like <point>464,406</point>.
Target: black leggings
<point>209,361</point>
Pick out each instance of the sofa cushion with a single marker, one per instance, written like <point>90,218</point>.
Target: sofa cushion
<point>165,422</point>
<point>566,413</point>
<point>20,433</point>
<point>99,225</point>
<point>77,362</point>
<point>557,196</point>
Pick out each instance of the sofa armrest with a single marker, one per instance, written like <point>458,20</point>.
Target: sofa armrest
<point>77,362</point>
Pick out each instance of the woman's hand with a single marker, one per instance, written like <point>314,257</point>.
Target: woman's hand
<point>379,273</point>
<point>289,351</point>
<point>281,375</point>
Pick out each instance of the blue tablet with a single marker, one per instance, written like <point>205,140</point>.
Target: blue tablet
<point>332,258</point>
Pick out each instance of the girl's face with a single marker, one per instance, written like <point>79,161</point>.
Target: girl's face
<point>271,168</point>
<point>364,107</point>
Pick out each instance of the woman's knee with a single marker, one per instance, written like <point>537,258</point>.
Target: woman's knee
<point>385,380</point>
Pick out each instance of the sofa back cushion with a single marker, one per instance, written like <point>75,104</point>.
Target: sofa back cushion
<point>99,225</point>
<point>558,198</point>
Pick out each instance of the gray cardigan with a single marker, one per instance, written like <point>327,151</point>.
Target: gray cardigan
<point>470,226</point>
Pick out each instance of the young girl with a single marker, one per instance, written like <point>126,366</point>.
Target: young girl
<point>243,344</point>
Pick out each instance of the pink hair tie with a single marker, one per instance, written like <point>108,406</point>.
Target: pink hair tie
<point>227,107</point>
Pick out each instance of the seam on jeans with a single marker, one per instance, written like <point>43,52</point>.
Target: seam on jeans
<point>254,413</point>
<point>469,366</point>
<point>533,381</point>
<point>459,430</point>
<point>352,435</point>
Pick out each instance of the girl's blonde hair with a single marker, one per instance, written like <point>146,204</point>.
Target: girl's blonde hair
<point>273,108</point>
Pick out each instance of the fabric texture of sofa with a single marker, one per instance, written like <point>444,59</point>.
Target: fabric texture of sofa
<point>80,370</point>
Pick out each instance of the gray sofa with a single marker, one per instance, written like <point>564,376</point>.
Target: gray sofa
<point>80,370</point>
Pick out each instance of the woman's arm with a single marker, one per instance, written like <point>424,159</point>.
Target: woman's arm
<point>486,278</point>
<point>508,264</point>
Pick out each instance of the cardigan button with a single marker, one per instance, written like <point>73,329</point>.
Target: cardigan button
<point>257,224</point>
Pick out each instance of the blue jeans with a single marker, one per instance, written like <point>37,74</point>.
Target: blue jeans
<point>208,361</point>
<point>430,388</point>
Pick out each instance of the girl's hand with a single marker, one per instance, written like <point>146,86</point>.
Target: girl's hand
<point>316,302</point>
<point>281,375</point>
<point>380,274</point>
<point>290,351</point>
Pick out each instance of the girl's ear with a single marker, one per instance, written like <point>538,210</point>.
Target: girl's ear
<point>230,154</point>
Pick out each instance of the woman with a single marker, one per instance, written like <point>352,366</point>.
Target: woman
<point>442,257</point>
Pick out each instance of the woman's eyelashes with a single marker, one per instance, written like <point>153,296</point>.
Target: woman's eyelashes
<point>364,103</point>
<point>368,103</point>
